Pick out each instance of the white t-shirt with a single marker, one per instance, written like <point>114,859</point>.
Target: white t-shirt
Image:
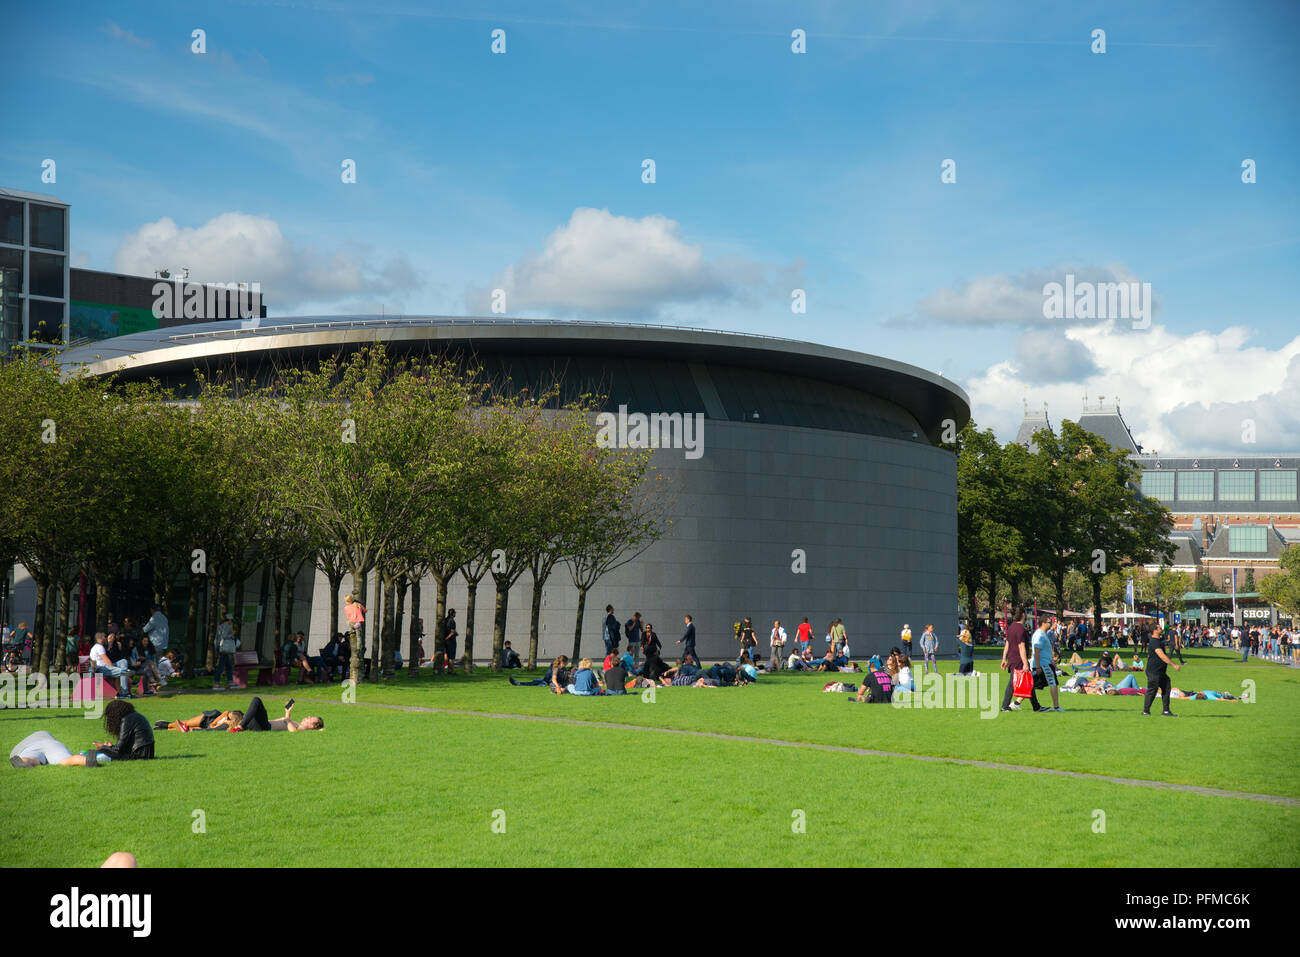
<point>906,634</point>
<point>98,655</point>
<point>904,677</point>
<point>778,637</point>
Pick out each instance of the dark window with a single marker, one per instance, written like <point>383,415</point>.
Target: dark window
<point>47,276</point>
<point>11,271</point>
<point>47,226</point>
<point>11,221</point>
<point>45,320</point>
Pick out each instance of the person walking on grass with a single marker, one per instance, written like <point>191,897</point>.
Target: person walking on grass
<point>803,634</point>
<point>1157,674</point>
<point>687,641</point>
<point>929,646</point>
<point>1043,651</point>
<point>226,646</point>
<point>1015,657</point>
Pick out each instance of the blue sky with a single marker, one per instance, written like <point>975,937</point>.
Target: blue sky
<point>774,171</point>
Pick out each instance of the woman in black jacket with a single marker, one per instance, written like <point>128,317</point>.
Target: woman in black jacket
<point>131,728</point>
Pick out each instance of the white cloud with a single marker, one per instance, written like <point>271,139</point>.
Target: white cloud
<point>1178,393</point>
<point>1014,299</point>
<point>126,36</point>
<point>618,267</point>
<point>237,247</point>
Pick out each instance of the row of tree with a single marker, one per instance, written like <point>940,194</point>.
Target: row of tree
<point>402,467</point>
<point>1067,514</point>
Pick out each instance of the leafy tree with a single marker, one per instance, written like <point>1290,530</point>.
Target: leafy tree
<point>1282,588</point>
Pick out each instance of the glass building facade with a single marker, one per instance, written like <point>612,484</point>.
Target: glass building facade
<point>34,271</point>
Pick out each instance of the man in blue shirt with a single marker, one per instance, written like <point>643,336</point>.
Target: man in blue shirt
<point>1042,652</point>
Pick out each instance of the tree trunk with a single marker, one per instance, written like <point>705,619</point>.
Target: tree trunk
<point>413,660</point>
<point>103,597</point>
<point>378,617</point>
<point>383,663</point>
<point>61,638</point>
<point>993,603</point>
<point>192,649</point>
<point>1058,579</point>
<point>290,589</point>
<point>577,624</point>
<point>1015,592</point>
<point>534,618</point>
<point>358,640</point>
<point>263,595</point>
<point>471,602</point>
<point>38,619</point>
<point>972,601</point>
<point>277,582</point>
<point>1096,608</point>
<point>336,582</point>
<point>399,616</point>
<point>238,612</point>
<point>499,622</point>
<point>216,601</point>
<point>440,613</point>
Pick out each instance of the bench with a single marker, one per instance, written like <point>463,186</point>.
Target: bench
<point>249,659</point>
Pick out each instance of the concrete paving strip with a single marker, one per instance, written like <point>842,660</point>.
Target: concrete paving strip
<point>970,762</point>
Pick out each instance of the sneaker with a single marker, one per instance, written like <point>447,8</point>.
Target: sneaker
<point>1168,714</point>
<point>160,725</point>
<point>1062,710</point>
<point>1015,706</point>
<point>1146,714</point>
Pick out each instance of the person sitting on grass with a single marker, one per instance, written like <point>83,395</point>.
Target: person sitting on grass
<point>901,671</point>
<point>256,719</point>
<point>207,721</point>
<point>510,657</point>
<point>546,679</point>
<point>144,658</point>
<point>966,653</point>
<point>40,747</point>
<point>167,666</point>
<point>584,680</point>
<point>131,729</point>
<point>616,676</point>
<point>561,675</point>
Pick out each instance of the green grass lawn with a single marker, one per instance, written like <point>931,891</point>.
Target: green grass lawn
<point>382,786</point>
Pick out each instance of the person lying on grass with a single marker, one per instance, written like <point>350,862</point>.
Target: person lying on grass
<point>40,747</point>
<point>207,721</point>
<point>683,669</point>
<point>255,719</point>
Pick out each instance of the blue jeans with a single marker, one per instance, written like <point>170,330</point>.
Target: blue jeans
<point>225,662</point>
<point>115,672</point>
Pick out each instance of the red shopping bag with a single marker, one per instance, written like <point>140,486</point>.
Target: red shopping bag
<point>1022,683</point>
